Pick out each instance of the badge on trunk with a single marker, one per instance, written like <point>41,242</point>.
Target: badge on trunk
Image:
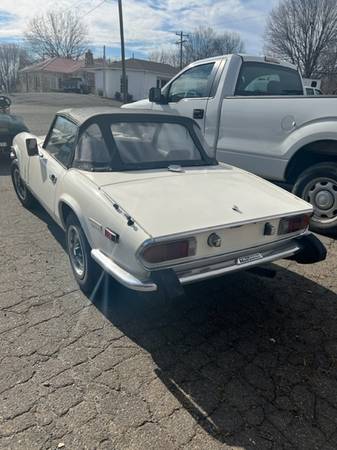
<point>249,258</point>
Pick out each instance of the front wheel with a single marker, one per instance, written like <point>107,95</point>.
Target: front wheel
<point>23,194</point>
<point>85,269</point>
<point>318,186</point>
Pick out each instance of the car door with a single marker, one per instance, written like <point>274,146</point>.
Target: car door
<point>188,94</point>
<point>259,117</point>
<point>48,168</point>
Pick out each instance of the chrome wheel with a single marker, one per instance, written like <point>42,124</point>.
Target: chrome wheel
<point>77,252</point>
<point>20,187</point>
<point>322,194</point>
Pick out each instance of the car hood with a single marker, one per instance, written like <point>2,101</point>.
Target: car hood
<point>140,104</point>
<point>165,203</point>
<point>11,124</point>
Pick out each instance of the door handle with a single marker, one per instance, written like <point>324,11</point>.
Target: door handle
<point>198,113</point>
<point>53,178</point>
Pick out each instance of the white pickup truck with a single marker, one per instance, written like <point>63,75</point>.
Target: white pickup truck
<point>254,115</point>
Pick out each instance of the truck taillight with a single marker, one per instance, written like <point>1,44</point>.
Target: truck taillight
<point>295,223</point>
<point>161,252</point>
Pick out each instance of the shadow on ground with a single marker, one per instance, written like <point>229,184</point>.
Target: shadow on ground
<point>247,357</point>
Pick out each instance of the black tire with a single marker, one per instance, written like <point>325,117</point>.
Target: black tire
<point>21,190</point>
<point>88,273</point>
<point>318,186</point>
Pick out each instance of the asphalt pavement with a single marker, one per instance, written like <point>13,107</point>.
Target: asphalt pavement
<point>241,362</point>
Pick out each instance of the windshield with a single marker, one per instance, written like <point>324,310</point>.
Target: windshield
<point>139,144</point>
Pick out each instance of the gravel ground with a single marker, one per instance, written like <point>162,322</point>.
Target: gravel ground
<point>241,362</point>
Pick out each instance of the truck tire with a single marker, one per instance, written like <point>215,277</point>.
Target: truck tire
<point>21,190</point>
<point>85,269</point>
<point>318,186</point>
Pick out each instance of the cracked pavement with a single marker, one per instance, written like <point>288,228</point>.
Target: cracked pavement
<point>241,362</point>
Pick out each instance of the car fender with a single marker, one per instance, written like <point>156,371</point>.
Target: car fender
<point>318,130</point>
<point>70,201</point>
<point>19,146</point>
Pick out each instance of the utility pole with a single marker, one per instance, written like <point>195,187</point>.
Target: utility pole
<point>125,91</point>
<point>104,74</point>
<point>181,41</point>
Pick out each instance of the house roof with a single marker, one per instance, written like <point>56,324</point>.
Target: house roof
<point>144,65</point>
<point>56,65</point>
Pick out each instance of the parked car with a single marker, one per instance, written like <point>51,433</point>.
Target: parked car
<point>254,115</point>
<point>139,197</point>
<point>10,125</point>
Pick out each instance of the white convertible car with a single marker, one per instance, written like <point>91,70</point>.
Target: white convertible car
<point>140,198</point>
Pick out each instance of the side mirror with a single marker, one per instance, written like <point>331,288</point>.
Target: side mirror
<point>156,96</point>
<point>32,148</point>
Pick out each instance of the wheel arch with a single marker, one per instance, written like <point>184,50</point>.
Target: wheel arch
<point>69,205</point>
<point>324,150</point>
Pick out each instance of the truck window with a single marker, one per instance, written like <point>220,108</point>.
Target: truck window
<point>268,79</point>
<point>193,83</point>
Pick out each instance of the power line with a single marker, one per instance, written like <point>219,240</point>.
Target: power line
<point>181,41</point>
<point>93,9</point>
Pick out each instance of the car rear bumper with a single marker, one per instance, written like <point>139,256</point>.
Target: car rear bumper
<point>305,249</point>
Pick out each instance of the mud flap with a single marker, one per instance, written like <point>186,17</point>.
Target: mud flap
<point>312,250</point>
<point>168,283</point>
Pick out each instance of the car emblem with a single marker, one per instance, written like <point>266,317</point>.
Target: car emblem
<point>214,240</point>
<point>237,209</point>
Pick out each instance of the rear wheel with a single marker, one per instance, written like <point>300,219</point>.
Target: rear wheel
<point>23,194</point>
<point>85,269</point>
<point>318,186</point>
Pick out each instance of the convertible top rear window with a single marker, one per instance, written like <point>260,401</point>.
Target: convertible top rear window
<point>152,142</point>
<point>133,144</point>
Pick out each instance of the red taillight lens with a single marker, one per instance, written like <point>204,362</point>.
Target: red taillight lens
<point>167,251</point>
<point>291,224</point>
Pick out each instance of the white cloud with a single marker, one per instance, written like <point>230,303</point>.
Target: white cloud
<point>146,27</point>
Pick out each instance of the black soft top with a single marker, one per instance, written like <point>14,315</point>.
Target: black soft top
<point>81,116</point>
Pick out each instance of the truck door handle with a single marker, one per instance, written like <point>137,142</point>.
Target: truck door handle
<point>53,178</point>
<point>198,113</point>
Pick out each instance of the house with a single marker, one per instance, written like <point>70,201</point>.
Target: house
<point>51,74</point>
<point>141,75</point>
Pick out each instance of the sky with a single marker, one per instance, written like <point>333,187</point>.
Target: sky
<point>149,24</point>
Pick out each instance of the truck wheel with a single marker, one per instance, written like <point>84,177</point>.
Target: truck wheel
<point>318,186</point>
<point>23,194</point>
<point>85,269</point>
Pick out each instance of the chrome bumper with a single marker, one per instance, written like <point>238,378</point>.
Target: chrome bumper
<point>121,275</point>
<point>200,270</point>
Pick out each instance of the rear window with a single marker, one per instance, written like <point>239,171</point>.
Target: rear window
<point>146,142</point>
<point>268,79</point>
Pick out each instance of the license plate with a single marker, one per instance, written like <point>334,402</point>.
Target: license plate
<point>3,144</point>
<point>249,258</point>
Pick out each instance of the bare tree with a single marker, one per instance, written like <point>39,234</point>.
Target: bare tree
<point>205,43</point>
<point>12,58</point>
<point>201,43</point>
<point>57,33</point>
<point>303,32</point>
<point>165,56</point>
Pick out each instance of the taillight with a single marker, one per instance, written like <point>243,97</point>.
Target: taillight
<point>168,251</point>
<point>295,223</point>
